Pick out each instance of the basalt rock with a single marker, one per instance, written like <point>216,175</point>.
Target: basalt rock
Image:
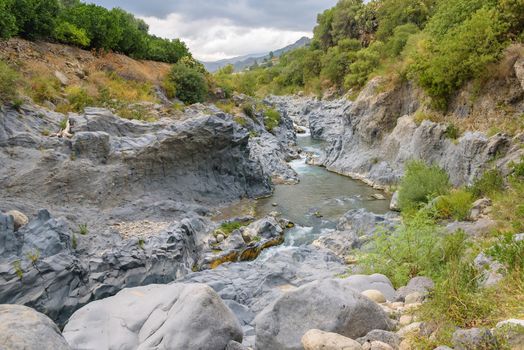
<point>175,316</point>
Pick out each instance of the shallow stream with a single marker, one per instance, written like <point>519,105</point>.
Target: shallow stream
<point>320,198</point>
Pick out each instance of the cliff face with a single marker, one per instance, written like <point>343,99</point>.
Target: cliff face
<point>372,137</point>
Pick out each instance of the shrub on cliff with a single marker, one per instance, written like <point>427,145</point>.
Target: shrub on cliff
<point>421,183</point>
<point>68,33</point>
<point>189,83</point>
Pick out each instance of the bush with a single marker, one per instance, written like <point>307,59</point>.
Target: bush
<point>414,248</point>
<point>68,33</point>
<point>8,83</point>
<point>271,119</point>
<point>78,98</point>
<point>421,183</point>
<point>191,85</point>
<point>455,205</point>
<point>509,252</point>
<point>8,27</point>
<point>489,183</point>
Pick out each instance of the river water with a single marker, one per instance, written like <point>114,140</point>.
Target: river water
<point>320,198</point>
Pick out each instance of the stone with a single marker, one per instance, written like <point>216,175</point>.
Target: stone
<point>390,338</point>
<point>375,281</point>
<point>443,347</point>
<point>413,328</point>
<point>22,328</point>
<point>175,316</point>
<point>20,219</point>
<point>220,238</point>
<point>479,208</point>
<point>379,196</point>
<point>405,320</point>
<point>330,305</point>
<point>417,284</point>
<point>512,331</point>
<point>415,297</point>
<point>315,339</point>
<point>233,345</point>
<point>474,338</point>
<point>519,237</point>
<point>394,204</point>
<point>374,295</point>
<point>492,271</point>
<point>61,78</point>
<point>519,71</point>
<point>376,345</point>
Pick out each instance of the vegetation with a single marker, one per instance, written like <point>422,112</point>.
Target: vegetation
<point>87,26</point>
<point>228,227</point>
<point>419,247</point>
<point>422,183</point>
<point>440,44</point>
<point>187,81</point>
<point>82,229</point>
<point>8,82</point>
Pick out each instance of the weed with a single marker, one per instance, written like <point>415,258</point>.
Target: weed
<point>82,229</point>
<point>74,241</point>
<point>33,256</point>
<point>228,227</point>
<point>455,205</point>
<point>271,119</point>
<point>141,243</point>
<point>18,269</point>
<point>489,183</point>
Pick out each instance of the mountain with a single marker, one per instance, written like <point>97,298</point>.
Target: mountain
<point>242,62</point>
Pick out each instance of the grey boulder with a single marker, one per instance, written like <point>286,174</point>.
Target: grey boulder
<point>474,338</point>
<point>330,305</point>
<point>417,284</point>
<point>22,328</point>
<point>176,316</point>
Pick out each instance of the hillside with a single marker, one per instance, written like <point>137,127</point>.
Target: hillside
<point>243,62</point>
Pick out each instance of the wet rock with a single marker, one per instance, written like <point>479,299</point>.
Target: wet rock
<point>418,284</point>
<point>474,338</point>
<point>176,316</point>
<point>352,227</point>
<point>23,328</point>
<point>19,219</point>
<point>330,305</point>
<point>315,339</point>
<point>379,196</point>
<point>390,338</point>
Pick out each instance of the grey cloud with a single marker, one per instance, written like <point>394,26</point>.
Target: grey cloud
<point>299,15</point>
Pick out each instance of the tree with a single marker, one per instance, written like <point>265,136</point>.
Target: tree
<point>35,19</point>
<point>393,13</point>
<point>68,33</point>
<point>8,27</point>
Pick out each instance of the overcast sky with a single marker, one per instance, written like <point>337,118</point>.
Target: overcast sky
<point>215,29</point>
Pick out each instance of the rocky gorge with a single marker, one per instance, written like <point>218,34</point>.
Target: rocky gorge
<point>127,252</point>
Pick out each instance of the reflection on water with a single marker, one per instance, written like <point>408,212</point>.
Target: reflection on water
<point>319,200</point>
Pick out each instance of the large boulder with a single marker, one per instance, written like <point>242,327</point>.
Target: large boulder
<point>378,282</point>
<point>330,305</point>
<point>22,328</point>
<point>474,338</point>
<point>176,316</point>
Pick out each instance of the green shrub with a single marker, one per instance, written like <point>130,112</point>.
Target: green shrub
<point>191,84</point>
<point>44,88</point>
<point>455,205</point>
<point>228,227</point>
<point>78,98</point>
<point>509,251</point>
<point>82,229</point>
<point>489,183</point>
<point>8,27</point>
<point>248,109</point>
<point>421,183</point>
<point>68,33</point>
<point>8,83</point>
<point>452,132</point>
<point>271,119</point>
<point>414,248</point>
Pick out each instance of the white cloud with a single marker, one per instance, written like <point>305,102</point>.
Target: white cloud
<point>216,38</point>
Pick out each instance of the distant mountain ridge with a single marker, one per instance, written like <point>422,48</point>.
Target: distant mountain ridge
<point>242,62</point>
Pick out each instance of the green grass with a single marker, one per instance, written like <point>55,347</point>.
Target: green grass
<point>455,205</point>
<point>228,227</point>
<point>83,230</point>
<point>271,119</point>
<point>8,83</point>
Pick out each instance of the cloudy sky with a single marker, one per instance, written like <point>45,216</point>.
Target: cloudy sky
<point>216,29</point>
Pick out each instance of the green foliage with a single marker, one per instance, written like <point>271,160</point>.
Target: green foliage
<point>74,241</point>
<point>78,98</point>
<point>421,183</point>
<point>86,25</point>
<point>455,205</point>
<point>33,256</point>
<point>489,183</point>
<point>509,251</point>
<point>452,132</point>
<point>394,14</point>
<point>141,243</point>
<point>228,227</point>
<point>8,83</point>
<point>271,119</point>
<point>82,229</point>
<point>413,249</point>
<point>399,39</point>
<point>18,269</point>
<point>190,82</point>
<point>366,61</point>
<point>68,33</point>
<point>8,27</point>
<point>44,88</point>
<point>445,64</point>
